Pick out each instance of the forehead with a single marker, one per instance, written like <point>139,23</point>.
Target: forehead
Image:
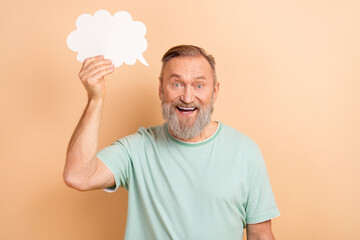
<point>188,68</point>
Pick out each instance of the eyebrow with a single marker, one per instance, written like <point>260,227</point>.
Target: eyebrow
<point>175,75</point>
<point>201,77</point>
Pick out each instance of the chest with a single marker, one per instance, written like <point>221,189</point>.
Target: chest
<point>193,175</point>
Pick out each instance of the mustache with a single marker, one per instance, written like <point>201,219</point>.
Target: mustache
<point>186,105</point>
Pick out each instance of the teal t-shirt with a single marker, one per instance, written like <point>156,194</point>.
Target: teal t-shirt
<point>177,190</point>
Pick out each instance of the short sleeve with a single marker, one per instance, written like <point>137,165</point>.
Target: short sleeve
<point>117,158</point>
<point>260,205</point>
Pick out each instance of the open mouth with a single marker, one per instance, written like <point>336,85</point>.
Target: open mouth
<point>186,110</point>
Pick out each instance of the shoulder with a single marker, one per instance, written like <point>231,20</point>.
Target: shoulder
<point>151,131</point>
<point>142,135</point>
<point>236,138</point>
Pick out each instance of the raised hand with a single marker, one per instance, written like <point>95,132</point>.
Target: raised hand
<point>92,74</point>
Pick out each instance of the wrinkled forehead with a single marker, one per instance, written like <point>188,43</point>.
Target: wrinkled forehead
<point>187,68</point>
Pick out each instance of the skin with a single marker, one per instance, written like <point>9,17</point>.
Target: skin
<point>83,170</point>
<point>188,79</point>
<point>259,231</point>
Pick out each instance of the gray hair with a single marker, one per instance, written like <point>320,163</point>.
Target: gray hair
<point>187,51</point>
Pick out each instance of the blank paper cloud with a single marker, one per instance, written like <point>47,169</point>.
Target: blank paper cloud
<point>117,37</point>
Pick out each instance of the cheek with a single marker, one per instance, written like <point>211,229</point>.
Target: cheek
<point>204,99</point>
<point>169,96</point>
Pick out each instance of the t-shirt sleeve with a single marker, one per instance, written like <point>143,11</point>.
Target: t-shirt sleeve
<point>117,158</point>
<point>260,205</point>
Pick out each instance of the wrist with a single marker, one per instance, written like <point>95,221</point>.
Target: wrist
<point>96,98</point>
<point>95,103</point>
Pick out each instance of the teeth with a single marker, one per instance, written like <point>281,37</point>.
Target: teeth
<point>187,109</point>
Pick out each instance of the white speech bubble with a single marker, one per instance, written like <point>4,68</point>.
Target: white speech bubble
<point>117,37</point>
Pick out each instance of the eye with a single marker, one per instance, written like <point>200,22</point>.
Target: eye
<point>199,86</point>
<point>177,85</point>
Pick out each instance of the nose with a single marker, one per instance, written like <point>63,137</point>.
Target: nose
<point>188,95</point>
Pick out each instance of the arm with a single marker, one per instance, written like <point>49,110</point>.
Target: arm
<point>83,170</point>
<point>259,231</point>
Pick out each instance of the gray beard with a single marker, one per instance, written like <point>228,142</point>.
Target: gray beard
<point>183,130</point>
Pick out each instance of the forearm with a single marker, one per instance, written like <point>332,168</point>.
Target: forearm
<point>80,160</point>
<point>259,231</point>
<point>260,237</point>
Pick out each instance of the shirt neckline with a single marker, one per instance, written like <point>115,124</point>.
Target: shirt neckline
<point>195,144</point>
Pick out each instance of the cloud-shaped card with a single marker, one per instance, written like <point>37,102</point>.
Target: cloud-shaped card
<point>117,37</point>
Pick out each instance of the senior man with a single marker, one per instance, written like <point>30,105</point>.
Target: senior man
<point>190,178</point>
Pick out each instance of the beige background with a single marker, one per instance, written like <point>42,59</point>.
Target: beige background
<point>289,73</point>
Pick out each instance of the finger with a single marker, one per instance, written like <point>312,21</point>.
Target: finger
<point>93,66</point>
<point>96,63</point>
<point>91,72</point>
<point>99,74</point>
<point>91,59</point>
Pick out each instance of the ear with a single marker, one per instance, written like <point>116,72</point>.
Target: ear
<point>216,90</point>
<point>159,88</point>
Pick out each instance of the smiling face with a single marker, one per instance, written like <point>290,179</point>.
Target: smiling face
<point>187,91</point>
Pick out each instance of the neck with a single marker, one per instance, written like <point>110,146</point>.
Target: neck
<point>207,132</point>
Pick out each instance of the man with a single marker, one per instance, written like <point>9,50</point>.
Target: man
<point>190,178</point>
